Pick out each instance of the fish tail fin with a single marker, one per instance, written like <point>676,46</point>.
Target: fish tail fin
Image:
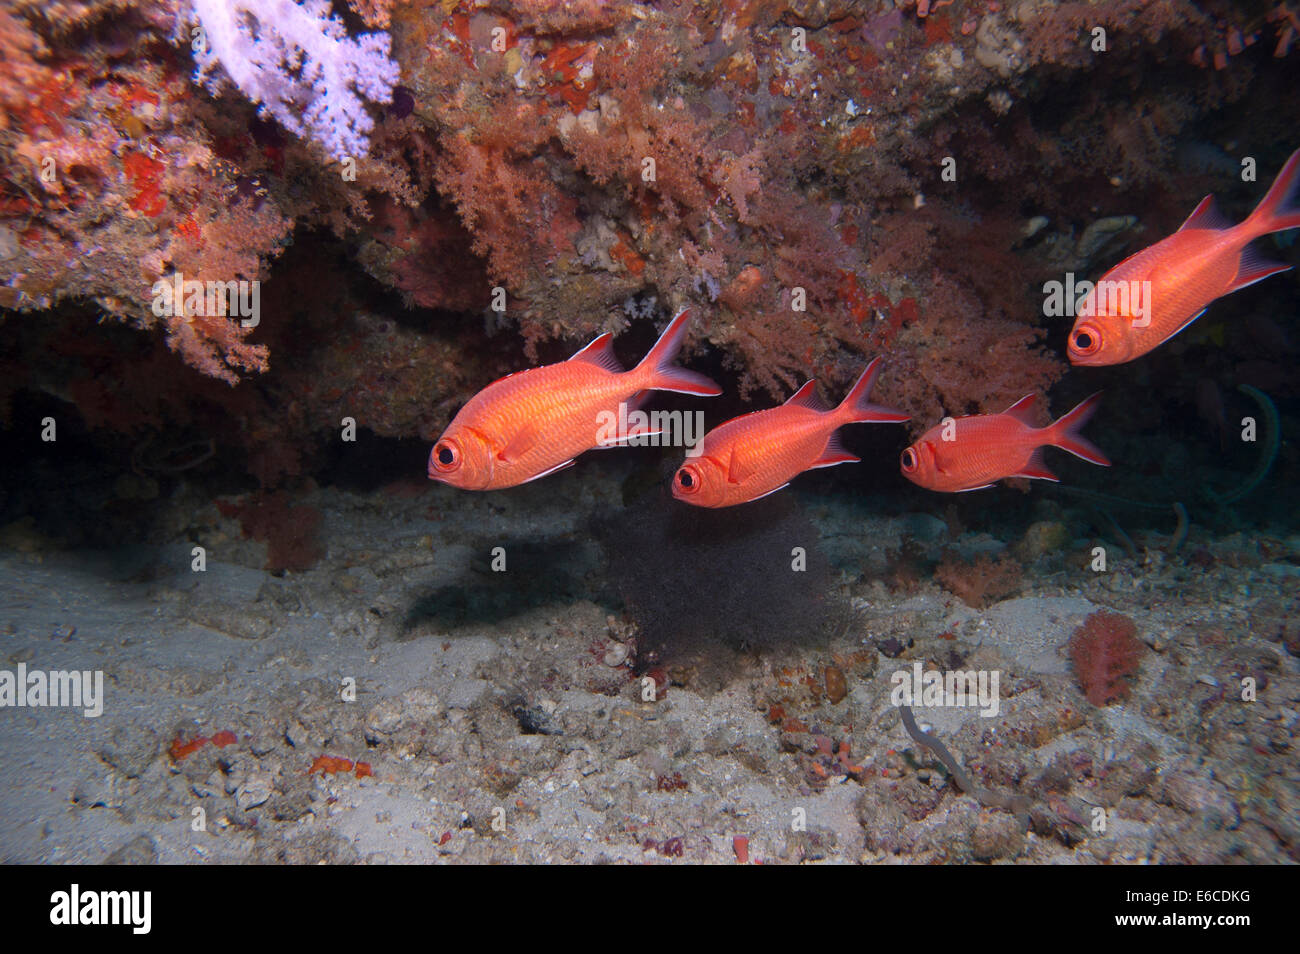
<point>1064,433</point>
<point>658,371</point>
<point>1280,209</point>
<point>857,406</point>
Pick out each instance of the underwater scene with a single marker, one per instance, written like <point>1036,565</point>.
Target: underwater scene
<point>733,432</point>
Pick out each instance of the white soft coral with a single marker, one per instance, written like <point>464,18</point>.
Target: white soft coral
<point>298,64</point>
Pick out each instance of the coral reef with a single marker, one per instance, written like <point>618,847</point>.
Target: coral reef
<point>108,189</point>
<point>826,181</point>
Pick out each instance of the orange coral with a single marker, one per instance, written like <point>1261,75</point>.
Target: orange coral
<point>179,750</point>
<point>145,174</point>
<point>506,203</point>
<point>622,253</point>
<point>330,764</point>
<point>376,13</point>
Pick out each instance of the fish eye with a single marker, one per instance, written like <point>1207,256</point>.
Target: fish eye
<point>446,456</point>
<point>687,480</point>
<point>1085,341</point>
<point>909,460</point>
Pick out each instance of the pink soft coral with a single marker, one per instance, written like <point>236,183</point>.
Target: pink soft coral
<point>1105,652</point>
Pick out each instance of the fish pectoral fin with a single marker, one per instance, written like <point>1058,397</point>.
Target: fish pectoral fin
<point>738,468</point>
<point>549,471</point>
<point>519,445</point>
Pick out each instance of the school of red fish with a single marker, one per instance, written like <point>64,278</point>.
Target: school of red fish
<point>535,422</point>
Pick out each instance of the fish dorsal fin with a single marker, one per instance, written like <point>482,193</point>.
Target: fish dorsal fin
<point>1206,216</point>
<point>1254,267</point>
<point>808,397</point>
<point>834,453</point>
<point>1037,468</point>
<point>1023,410</point>
<point>600,353</point>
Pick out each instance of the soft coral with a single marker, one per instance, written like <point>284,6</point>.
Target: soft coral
<point>1105,652</point>
<point>296,61</point>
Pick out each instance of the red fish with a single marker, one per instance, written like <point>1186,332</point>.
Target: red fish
<point>971,453</point>
<point>535,422</point>
<point>1153,294</point>
<point>757,454</point>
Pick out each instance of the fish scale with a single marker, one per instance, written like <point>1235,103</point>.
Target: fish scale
<point>783,438</point>
<point>564,405</point>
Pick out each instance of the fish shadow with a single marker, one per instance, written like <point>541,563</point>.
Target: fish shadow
<point>528,574</point>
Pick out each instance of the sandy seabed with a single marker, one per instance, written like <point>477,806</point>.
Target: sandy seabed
<point>527,737</point>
